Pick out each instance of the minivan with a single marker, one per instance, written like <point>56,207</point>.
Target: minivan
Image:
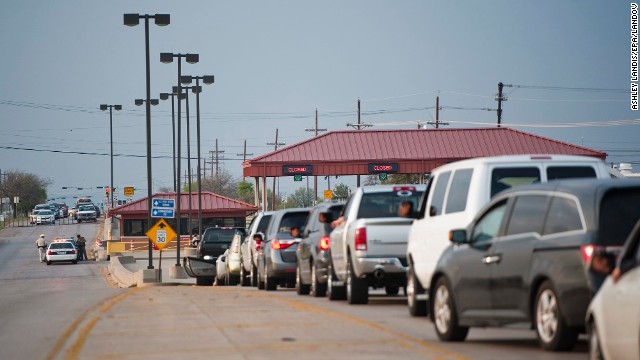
<point>457,191</point>
<point>536,255</point>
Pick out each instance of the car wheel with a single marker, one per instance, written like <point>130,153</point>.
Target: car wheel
<point>261,283</point>
<point>253,275</point>
<point>553,334</point>
<point>357,289</point>
<point>204,282</point>
<point>270,283</point>
<point>301,289</point>
<point>416,307</point>
<point>392,289</point>
<point>244,279</point>
<point>74,261</point>
<point>445,318</point>
<point>48,262</point>
<point>595,350</point>
<point>334,292</point>
<point>317,289</point>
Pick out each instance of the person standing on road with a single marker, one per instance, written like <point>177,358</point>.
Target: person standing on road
<point>82,252</point>
<point>42,247</point>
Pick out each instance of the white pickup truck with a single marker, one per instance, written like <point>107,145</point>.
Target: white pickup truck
<point>369,243</point>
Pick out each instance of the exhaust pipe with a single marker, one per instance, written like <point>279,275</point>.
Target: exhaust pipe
<point>378,274</point>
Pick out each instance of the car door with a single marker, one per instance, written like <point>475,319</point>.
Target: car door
<point>472,263</point>
<point>512,258</point>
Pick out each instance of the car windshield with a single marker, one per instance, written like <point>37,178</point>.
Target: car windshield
<point>219,235</point>
<point>386,204</point>
<point>61,245</point>
<point>45,212</point>
<point>86,208</point>
<point>619,212</point>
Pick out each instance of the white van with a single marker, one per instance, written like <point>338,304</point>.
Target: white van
<point>457,191</point>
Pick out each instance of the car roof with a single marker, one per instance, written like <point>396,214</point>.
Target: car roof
<point>521,159</point>
<point>579,187</point>
<point>387,188</point>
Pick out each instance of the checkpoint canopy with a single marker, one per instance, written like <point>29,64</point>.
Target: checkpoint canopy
<point>414,151</point>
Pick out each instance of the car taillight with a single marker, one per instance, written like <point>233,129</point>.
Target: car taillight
<point>49,252</point>
<point>281,244</point>
<point>598,258</point>
<point>73,251</point>
<point>258,245</point>
<point>324,243</point>
<point>361,239</point>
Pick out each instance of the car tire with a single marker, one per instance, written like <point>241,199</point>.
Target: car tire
<point>552,331</point>
<point>416,307</point>
<point>317,289</point>
<point>74,262</point>
<point>445,318</point>
<point>204,282</point>
<point>301,289</point>
<point>334,292</point>
<point>244,278</point>
<point>48,262</point>
<point>595,350</point>
<point>253,275</point>
<point>270,283</point>
<point>357,289</point>
<point>392,290</point>
<point>261,283</point>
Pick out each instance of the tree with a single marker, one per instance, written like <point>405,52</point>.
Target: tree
<point>341,191</point>
<point>245,192</point>
<point>371,180</point>
<point>403,179</point>
<point>222,184</point>
<point>30,188</point>
<point>302,197</point>
<point>165,189</point>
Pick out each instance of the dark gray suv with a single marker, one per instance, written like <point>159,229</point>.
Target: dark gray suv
<point>314,249</point>
<point>535,254</point>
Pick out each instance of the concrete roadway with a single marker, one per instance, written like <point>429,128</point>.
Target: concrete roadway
<point>73,312</point>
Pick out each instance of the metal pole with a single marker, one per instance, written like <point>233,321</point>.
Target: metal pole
<point>188,161</point>
<point>173,129</point>
<point>148,105</point>
<point>198,146</point>
<point>179,157</point>
<point>111,141</point>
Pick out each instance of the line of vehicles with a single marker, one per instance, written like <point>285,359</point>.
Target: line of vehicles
<point>489,242</point>
<point>84,210</point>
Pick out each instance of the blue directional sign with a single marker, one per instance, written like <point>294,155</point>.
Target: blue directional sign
<point>162,213</point>
<point>163,203</point>
<point>163,208</point>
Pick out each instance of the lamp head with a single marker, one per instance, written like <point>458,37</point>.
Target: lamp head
<point>192,58</point>
<point>186,79</point>
<point>131,19</point>
<point>139,102</point>
<point>207,79</point>
<point>166,58</point>
<point>117,107</point>
<point>162,19</point>
<point>155,101</point>
<point>103,107</point>
<point>164,96</point>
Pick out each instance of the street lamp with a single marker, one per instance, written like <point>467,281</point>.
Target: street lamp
<point>160,20</point>
<point>165,96</point>
<point>104,107</point>
<point>167,58</point>
<point>207,79</point>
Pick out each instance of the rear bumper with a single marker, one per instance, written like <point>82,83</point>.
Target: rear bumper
<point>367,266</point>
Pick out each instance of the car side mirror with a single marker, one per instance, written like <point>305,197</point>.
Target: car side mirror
<point>458,236</point>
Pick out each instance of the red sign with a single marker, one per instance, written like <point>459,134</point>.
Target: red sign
<point>382,168</point>
<point>297,169</point>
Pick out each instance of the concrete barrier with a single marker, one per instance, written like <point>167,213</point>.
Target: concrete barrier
<point>121,274</point>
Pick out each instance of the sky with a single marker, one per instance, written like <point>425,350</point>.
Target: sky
<point>565,66</point>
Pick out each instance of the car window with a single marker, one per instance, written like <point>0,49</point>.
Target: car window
<point>437,201</point>
<point>619,212</point>
<point>386,204</point>
<point>347,207</point>
<point>61,245</point>
<point>458,191</point>
<point>488,226</point>
<point>568,172</point>
<point>527,215</point>
<point>504,178</point>
<point>262,225</point>
<point>563,215</point>
<point>218,235</point>
<point>293,219</point>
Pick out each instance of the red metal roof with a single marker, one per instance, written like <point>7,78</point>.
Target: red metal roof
<point>416,151</point>
<point>213,205</point>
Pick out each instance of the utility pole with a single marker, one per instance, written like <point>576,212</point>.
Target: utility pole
<point>215,153</point>
<point>437,123</point>
<point>359,126</point>
<point>315,178</point>
<point>500,98</point>
<point>273,194</point>
<point>244,152</point>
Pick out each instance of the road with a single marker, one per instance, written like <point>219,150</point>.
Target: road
<point>72,312</point>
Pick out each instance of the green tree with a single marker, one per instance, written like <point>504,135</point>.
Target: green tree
<point>371,180</point>
<point>302,197</point>
<point>341,191</point>
<point>222,184</point>
<point>244,190</point>
<point>402,179</point>
<point>30,188</point>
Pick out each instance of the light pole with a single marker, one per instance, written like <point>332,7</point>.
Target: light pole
<point>207,79</point>
<point>104,107</point>
<point>167,58</point>
<point>165,96</point>
<point>160,20</point>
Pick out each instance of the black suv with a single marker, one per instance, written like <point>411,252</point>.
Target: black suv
<point>535,254</point>
<point>215,240</point>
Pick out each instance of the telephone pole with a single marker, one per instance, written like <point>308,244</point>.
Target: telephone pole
<point>359,126</point>
<point>244,152</point>
<point>500,98</point>
<point>273,193</point>
<point>315,178</point>
<point>216,154</point>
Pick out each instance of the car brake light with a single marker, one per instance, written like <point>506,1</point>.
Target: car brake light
<point>324,243</point>
<point>587,252</point>
<point>73,251</point>
<point>361,239</point>
<point>49,252</point>
<point>281,244</point>
<point>404,188</point>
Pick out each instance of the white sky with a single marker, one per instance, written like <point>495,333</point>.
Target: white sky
<point>275,62</point>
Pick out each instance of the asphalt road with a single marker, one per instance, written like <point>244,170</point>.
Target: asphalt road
<point>70,311</point>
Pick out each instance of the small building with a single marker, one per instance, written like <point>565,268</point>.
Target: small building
<point>129,221</point>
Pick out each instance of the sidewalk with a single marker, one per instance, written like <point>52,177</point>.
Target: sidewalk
<point>130,269</point>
